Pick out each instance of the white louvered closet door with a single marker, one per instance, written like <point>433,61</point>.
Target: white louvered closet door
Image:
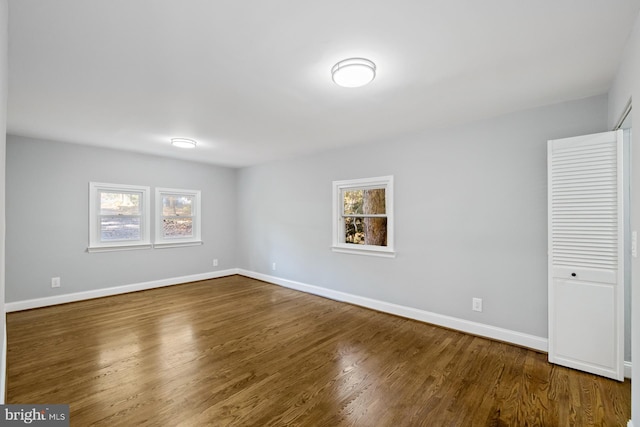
<point>586,275</point>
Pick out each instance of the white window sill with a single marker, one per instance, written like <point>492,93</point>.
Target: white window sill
<point>369,251</point>
<point>164,245</point>
<point>118,248</point>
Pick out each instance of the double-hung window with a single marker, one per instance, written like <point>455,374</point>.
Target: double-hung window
<point>177,217</point>
<point>118,217</point>
<point>363,216</point>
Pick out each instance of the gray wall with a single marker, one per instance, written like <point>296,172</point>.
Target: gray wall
<point>627,86</point>
<point>47,217</point>
<point>4,41</point>
<point>471,216</point>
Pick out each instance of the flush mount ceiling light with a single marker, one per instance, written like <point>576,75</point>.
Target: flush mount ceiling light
<point>353,72</point>
<point>183,142</point>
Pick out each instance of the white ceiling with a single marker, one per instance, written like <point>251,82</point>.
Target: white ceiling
<point>250,80</point>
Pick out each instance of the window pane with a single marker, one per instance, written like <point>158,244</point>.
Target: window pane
<point>119,203</point>
<point>352,201</point>
<point>176,205</point>
<point>365,231</point>
<point>364,201</point>
<point>173,228</point>
<point>373,201</point>
<point>114,228</point>
<point>354,231</point>
<point>375,231</point>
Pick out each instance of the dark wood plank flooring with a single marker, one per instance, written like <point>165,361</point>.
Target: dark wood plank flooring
<point>240,352</point>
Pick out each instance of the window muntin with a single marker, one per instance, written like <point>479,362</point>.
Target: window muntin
<point>363,216</point>
<point>177,217</point>
<point>119,217</point>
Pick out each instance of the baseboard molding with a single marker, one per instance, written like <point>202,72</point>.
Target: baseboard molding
<point>630,423</point>
<point>627,369</point>
<point>98,293</point>
<point>467,326</point>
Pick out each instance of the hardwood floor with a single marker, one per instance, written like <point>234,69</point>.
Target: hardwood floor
<point>236,351</point>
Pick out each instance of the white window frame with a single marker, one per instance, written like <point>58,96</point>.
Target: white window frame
<point>339,244</point>
<point>95,242</point>
<point>196,215</point>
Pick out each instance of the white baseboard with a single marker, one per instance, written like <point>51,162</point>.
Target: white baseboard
<point>627,369</point>
<point>98,293</point>
<point>630,423</point>
<point>474,328</point>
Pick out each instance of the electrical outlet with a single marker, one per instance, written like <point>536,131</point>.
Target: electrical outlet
<point>273,266</point>
<point>55,282</point>
<point>476,304</point>
<point>215,262</point>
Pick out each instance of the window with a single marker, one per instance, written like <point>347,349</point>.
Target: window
<point>118,217</point>
<point>363,216</point>
<point>177,217</point>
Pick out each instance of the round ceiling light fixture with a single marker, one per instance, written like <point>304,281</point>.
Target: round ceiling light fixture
<point>183,142</point>
<point>353,72</point>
